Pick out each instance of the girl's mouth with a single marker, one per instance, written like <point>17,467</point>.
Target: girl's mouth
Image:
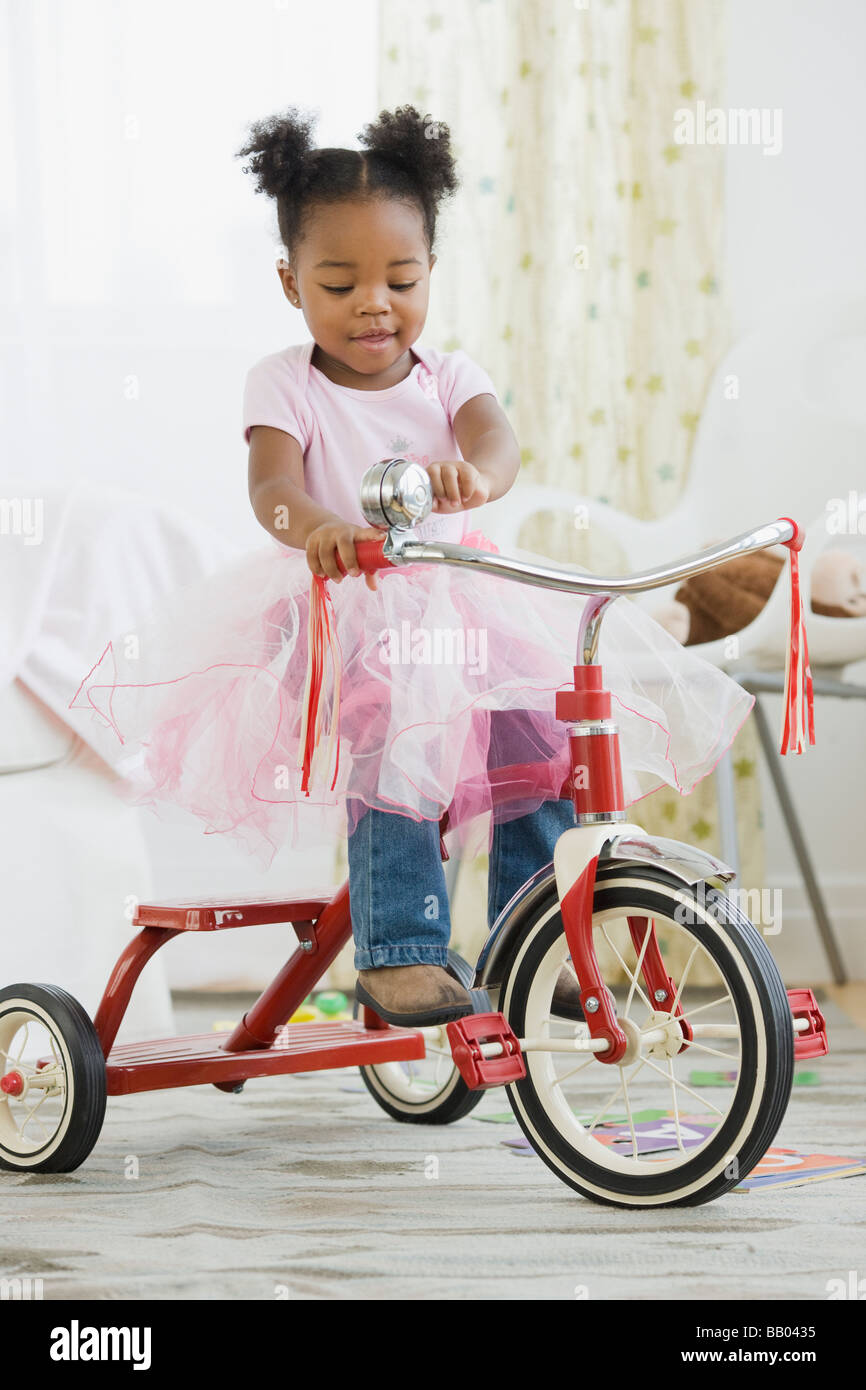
<point>375,344</point>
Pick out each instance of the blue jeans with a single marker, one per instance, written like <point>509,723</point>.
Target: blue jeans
<point>397,893</point>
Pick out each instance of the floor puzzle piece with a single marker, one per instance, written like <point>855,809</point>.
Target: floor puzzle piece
<point>788,1168</point>
<point>728,1078</point>
<point>505,1117</point>
<point>657,1136</point>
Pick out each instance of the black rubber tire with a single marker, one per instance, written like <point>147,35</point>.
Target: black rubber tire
<point>647,892</point>
<point>84,1110</point>
<point>457,1099</point>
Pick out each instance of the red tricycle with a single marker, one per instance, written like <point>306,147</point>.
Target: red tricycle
<point>671,974</point>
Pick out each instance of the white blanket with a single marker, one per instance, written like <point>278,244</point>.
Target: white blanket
<point>78,567</point>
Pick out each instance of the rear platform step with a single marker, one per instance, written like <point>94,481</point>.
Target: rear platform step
<point>200,1059</point>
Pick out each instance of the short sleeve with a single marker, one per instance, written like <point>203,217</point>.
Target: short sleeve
<point>272,397</point>
<point>460,379</point>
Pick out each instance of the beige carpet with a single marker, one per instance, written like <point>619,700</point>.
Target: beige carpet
<point>301,1186</point>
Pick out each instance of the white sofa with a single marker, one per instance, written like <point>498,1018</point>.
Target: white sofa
<point>75,857</point>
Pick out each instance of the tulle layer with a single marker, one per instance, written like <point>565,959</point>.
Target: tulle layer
<point>447,676</point>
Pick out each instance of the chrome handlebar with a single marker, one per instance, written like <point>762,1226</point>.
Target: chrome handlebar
<point>398,494</point>
<point>400,549</point>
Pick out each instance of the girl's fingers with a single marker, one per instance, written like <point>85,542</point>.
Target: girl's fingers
<point>328,561</point>
<point>346,548</point>
<point>452,486</point>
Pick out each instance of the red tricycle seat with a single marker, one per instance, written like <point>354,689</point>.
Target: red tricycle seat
<point>217,914</point>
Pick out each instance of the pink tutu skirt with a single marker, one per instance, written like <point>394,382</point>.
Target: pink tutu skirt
<point>445,676</point>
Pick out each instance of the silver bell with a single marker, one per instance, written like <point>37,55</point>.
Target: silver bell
<point>396,494</point>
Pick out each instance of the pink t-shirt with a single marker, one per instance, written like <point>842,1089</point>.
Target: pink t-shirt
<point>343,431</point>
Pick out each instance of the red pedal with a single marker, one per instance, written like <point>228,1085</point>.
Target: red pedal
<point>811,1042</point>
<point>466,1036</point>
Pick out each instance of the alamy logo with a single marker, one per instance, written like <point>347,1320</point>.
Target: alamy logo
<point>762,906</point>
<point>21,1287</point>
<point>441,646</point>
<point>738,126</point>
<point>23,516</point>
<point>429,383</point>
<point>77,1343</point>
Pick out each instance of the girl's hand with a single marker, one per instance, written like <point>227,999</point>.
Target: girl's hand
<point>458,486</point>
<point>338,537</point>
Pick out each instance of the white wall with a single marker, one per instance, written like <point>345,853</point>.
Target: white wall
<point>137,278</point>
<point>137,286</point>
<point>796,226</point>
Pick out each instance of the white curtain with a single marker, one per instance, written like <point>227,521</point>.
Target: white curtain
<point>581,265</point>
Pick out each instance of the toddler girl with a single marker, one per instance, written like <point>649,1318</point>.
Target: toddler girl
<point>445,676</point>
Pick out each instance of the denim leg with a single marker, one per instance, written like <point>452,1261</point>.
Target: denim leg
<point>523,845</point>
<point>398,898</point>
<point>520,848</point>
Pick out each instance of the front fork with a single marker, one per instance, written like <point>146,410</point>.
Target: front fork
<point>596,1000</point>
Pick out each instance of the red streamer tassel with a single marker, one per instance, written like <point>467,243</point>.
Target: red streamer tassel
<point>798,706</point>
<point>321,640</point>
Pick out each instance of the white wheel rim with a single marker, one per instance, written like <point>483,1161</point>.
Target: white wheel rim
<point>33,1123</point>
<point>420,1084</point>
<point>562,1081</point>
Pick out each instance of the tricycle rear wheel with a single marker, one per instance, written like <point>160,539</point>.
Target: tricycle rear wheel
<point>52,1080</point>
<point>407,1091</point>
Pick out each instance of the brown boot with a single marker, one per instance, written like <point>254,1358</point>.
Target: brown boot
<point>566,998</point>
<point>411,996</point>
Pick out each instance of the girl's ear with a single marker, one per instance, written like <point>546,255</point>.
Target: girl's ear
<point>288,282</point>
<point>433,259</point>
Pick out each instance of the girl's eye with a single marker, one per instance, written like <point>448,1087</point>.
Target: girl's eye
<point>345,289</point>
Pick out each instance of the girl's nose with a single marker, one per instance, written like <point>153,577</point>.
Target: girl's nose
<point>375,304</point>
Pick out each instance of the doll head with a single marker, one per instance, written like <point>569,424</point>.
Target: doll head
<point>839,585</point>
<point>358,227</point>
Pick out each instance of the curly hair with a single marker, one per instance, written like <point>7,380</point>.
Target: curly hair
<point>406,156</point>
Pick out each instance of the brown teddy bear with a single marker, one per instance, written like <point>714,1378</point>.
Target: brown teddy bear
<point>725,600</point>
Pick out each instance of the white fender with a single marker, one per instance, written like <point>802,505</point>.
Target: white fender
<point>575,848</point>
<point>612,840</point>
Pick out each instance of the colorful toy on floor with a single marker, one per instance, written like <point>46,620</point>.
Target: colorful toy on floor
<point>332,1003</point>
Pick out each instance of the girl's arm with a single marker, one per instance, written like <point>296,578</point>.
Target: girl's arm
<point>488,442</point>
<point>276,488</point>
<point>280,504</point>
<point>490,463</point>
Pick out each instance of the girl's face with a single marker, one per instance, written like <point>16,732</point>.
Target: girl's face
<point>362,266</point>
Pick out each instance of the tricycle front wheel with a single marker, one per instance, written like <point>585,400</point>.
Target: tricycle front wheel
<point>655,1129</point>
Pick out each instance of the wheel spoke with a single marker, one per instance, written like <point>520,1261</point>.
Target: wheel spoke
<point>726,999</point>
<point>643,946</point>
<point>624,1084</point>
<point>685,974</point>
<point>626,969</point>
<point>612,1097</point>
<point>683,1086</point>
<point>714,1051</point>
<point>31,1114</point>
<point>676,1107</point>
<point>24,1040</point>
<point>580,1066</point>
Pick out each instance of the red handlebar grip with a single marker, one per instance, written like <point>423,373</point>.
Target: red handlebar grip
<point>369,555</point>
